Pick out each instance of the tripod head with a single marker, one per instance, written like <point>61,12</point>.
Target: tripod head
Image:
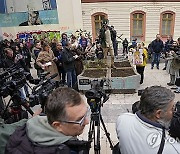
<point>96,96</point>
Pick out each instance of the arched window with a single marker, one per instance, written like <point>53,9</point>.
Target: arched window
<point>167,23</point>
<point>137,25</point>
<point>97,20</point>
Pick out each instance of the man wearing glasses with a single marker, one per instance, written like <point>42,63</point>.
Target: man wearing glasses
<point>67,115</point>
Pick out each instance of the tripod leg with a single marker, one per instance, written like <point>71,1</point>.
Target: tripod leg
<point>94,135</point>
<point>106,132</point>
<point>91,131</point>
<point>98,146</point>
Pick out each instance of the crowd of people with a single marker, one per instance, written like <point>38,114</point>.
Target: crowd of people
<point>151,129</point>
<point>157,49</point>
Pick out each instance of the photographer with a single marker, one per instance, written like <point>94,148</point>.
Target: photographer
<point>7,129</point>
<point>147,129</point>
<point>66,118</point>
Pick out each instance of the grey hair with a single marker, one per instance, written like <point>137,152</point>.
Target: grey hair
<point>57,102</point>
<point>154,98</point>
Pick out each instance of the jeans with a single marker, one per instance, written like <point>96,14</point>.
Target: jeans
<point>26,90</point>
<point>62,74</point>
<point>125,49</point>
<point>22,93</point>
<point>155,59</point>
<point>71,78</point>
<point>115,47</point>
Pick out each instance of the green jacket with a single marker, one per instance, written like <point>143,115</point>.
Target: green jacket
<point>6,130</point>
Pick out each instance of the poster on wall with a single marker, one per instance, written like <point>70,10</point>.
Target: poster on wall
<point>36,12</point>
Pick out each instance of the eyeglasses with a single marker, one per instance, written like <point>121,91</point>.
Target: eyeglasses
<point>81,121</point>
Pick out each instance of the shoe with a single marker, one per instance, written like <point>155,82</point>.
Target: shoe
<point>141,82</point>
<point>152,68</point>
<point>173,88</point>
<point>177,92</point>
<point>170,84</point>
<point>164,68</point>
<point>158,68</point>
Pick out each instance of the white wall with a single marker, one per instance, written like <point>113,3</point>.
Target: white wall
<point>70,19</point>
<point>119,16</point>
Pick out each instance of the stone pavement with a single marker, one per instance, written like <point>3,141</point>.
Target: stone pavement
<point>120,103</point>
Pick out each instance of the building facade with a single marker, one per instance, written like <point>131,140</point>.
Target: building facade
<point>134,19</point>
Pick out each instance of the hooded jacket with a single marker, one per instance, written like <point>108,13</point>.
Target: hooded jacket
<point>6,130</point>
<point>36,137</point>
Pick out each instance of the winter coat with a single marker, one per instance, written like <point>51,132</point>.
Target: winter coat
<point>68,60</point>
<point>36,137</point>
<point>157,46</point>
<point>45,57</point>
<point>6,130</point>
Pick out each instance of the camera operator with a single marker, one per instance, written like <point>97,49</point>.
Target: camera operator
<point>7,129</point>
<point>147,129</point>
<point>66,118</point>
<point>175,123</point>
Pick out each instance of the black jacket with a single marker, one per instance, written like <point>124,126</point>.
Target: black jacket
<point>157,46</point>
<point>68,60</point>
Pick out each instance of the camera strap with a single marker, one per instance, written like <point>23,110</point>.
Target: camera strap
<point>162,142</point>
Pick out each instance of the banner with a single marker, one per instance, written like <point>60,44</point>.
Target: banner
<point>28,13</point>
<point>137,57</point>
<point>29,18</point>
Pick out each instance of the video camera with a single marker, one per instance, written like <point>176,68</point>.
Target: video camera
<point>95,95</point>
<point>41,91</point>
<point>11,80</point>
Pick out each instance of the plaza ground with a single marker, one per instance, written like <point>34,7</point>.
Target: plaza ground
<point>121,103</point>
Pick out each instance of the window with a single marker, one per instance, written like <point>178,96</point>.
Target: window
<point>167,24</point>
<point>138,25</point>
<point>97,20</point>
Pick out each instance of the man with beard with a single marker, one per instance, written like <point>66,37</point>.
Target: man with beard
<point>147,129</point>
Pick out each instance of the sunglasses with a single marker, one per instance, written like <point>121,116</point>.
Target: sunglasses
<point>81,121</point>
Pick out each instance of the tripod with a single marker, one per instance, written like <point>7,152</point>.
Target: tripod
<point>94,130</point>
